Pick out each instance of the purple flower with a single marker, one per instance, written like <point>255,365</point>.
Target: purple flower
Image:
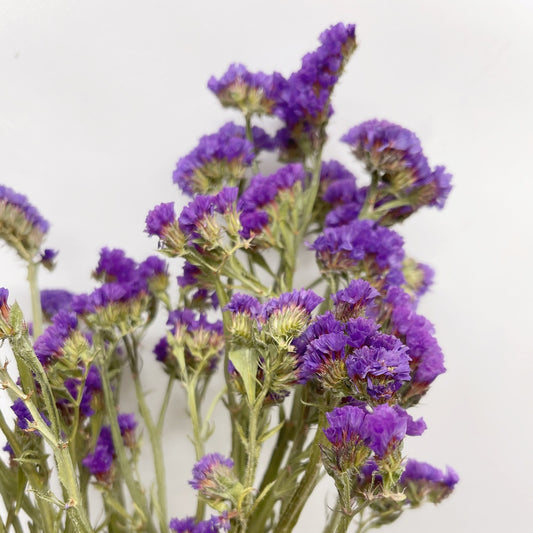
<point>184,525</point>
<point>302,100</point>
<point>253,223</point>
<point>159,219</point>
<point>263,190</point>
<point>153,267</point>
<point>323,324</point>
<point>207,471</point>
<point>55,300</point>
<point>248,91</point>
<point>114,265</point>
<point>345,247</point>
<point>396,154</point>
<point>345,425</point>
<point>419,471</point>
<point>100,462</point>
<point>22,413</point>
<point>321,354</point>
<point>384,429</point>
<point>21,220</point>
<point>243,304</point>
<point>304,300</point>
<point>353,300</point>
<point>49,345</point>
<point>219,159</point>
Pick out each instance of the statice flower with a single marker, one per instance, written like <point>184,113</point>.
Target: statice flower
<point>90,397</point>
<point>193,279</point>
<point>219,159</point>
<point>396,155</point>
<point>214,479</point>
<point>358,299</point>
<point>303,100</point>
<point>5,329</point>
<point>215,524</point>
<point>252,93</point>
<point>201,340</point>
<point>21,225</point>
<point>423,481</point>
<point>55,300</point>
<point>51,344</point>
<point>100,463</point>
<point>418,277</point>
<point>427,360</point>
<point>363,248</point>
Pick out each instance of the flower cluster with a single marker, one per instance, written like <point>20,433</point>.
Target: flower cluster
<point>21,225</point>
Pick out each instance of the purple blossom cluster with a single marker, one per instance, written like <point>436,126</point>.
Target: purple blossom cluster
<point>362,247</point>
<point>263,190</point>
<point>340,194</point>
<point>427,360</point>
<point>380,430</point>
<point>251,92</point>
<point>11,200</point>
<point>203,342</point>
<point>124,281</point>
<point>206,471</point>
<point>303,100</point>
<point>419,471</point>
<point>50,345</point>
<point>215,524</point>
<point>395,153</point>
<point>219,159</point>
<point>192,279</point>
<point>353,359</point>
<point>91,388</point>
<point>55,300</point>
<point>21,224</point>
<point>100,462</point>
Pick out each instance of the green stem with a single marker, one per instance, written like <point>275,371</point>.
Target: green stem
<point>157,453</point>
<point>371,196</point>
<point>37,312</point>
<point>165,404</point>
<point>292,512</point>
<point>250,137</point>
<point>134,488</point>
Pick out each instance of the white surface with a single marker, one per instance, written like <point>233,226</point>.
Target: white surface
<point>99,99</point>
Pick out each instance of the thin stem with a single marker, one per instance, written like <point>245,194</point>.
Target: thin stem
<point>250,137</point>
<point>37,312</point>
<point>125,468</point>
<point>371,196</point>
<point>304,489</point>
<point>165,404</point>
<point>157,453</point>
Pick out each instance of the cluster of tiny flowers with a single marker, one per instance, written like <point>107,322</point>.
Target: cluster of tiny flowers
<point>50,345</point>
<point>396,155</point>
<point>363,248</point>
<point>21,224</point>
<point>251,92</point>
<point>205,295</point>
<point>427,360</point>
<point>303,100</point>
<point>215,524</point>
<point>100,463</point>
<point>125,289</point>
<point>342,197</point>
<point>92,389</point>
<point>219,159</point>
<point>201,340</point>
<point>423,481</point>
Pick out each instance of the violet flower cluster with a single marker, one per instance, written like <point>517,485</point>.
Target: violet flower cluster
<point>332,368</point>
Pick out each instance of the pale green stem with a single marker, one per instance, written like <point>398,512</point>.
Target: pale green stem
<point>250,137</point>
<point>370,200</point>
<point>306,486</point>
<point>37,312</point>
<point>165,404</point>
<point>134,488</point>
<point>157,453</point>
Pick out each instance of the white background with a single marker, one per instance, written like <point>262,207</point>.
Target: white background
<point>99,99</point>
